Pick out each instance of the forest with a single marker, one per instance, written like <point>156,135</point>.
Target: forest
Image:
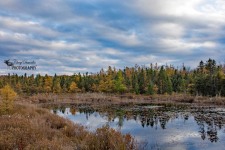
<point>207,79</point>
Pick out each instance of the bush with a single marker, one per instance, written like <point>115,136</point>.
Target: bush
<point>107,138</point>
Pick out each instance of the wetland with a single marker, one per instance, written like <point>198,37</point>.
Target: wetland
<point>161,126</point>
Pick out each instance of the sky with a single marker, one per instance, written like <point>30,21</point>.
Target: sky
<point>71,36</point>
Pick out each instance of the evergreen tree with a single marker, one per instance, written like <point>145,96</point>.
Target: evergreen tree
<point>142,81</point>
<point>169,88</point>
<point>56,87</point>
<point>162,81</point>
<point>119,86</point>
<point>151,88</point>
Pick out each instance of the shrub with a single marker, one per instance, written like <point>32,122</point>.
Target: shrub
<point>107,138</point>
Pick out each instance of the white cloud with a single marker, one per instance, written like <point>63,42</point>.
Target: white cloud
<point>167,7</point>
<point>121,37</point>
<point>148,59</point>
<point>170,30</point>
<point>175,45</point>
<point>26,27</point>
<point>114,52</point>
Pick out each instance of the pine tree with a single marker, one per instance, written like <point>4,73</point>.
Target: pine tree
<point>162,81</point>
<point>136,88</point>
<point>119,86</point>
<point>169,88</point>
<point>135,84</point>
<point>56,88</point>
<point>150,88</point>
<point>142,81</point>
<point>128,78</point>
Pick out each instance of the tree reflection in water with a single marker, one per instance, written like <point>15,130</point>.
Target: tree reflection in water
<point>209,122</point>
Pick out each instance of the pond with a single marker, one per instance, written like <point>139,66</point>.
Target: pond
<point>167,127</point>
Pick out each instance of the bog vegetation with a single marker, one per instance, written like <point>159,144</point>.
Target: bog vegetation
<point>208,79</point>
<point>29,127</point>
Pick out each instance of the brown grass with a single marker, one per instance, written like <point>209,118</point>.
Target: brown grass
<point>104,99</point>
<point>210,100</point>
<point>30,127</point>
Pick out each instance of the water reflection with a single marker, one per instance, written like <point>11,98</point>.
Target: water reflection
<point>167,126</point>
<point>209,123</point>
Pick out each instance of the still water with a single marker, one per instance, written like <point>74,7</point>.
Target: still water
<point>157,127</point>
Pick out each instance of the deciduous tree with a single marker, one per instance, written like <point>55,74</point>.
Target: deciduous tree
<point>8,95</point>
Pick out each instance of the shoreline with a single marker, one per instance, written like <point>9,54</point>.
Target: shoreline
<point>108,99</point>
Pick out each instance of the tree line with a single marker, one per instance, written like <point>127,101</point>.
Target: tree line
<point>208,79</point>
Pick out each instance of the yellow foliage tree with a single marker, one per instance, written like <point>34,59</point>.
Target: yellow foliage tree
<point>8,96</point>
<point>47,83</point>
<point>107,84</point>
<point>95,88</point>
<point>56,86</point>
<point>73,87</point>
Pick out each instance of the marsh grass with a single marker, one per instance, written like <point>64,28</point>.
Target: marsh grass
<point>31,127</point>
<point>104,99</point>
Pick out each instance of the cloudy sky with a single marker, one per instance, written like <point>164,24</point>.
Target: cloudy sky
<point>71,36</point>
